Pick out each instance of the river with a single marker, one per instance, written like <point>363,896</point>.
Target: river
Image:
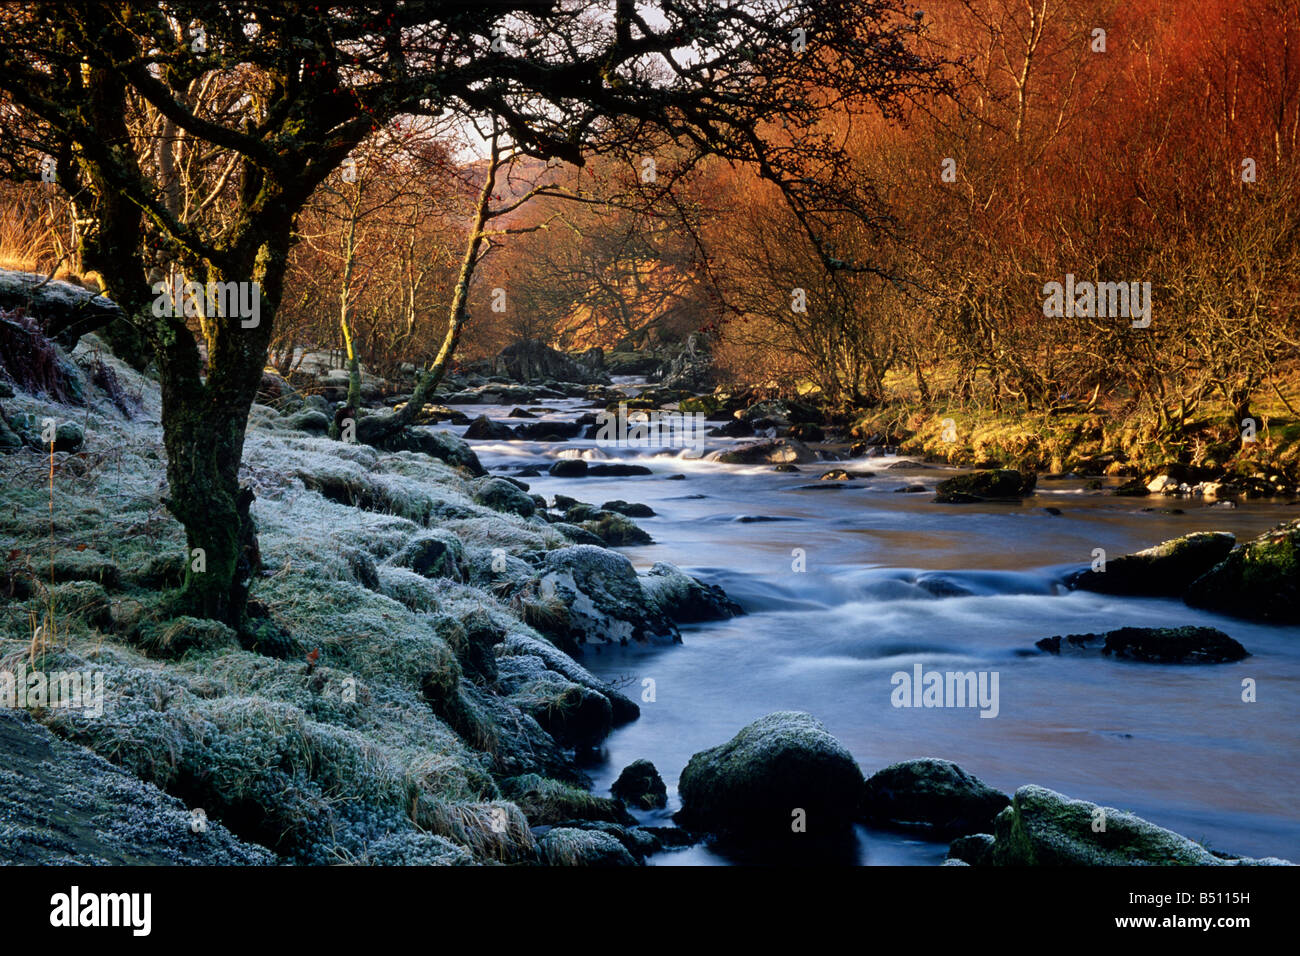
<point>841,592</point>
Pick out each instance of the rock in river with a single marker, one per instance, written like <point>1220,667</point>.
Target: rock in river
<point>1045,828</point>
<point>1166,569</point>
<point>1002,484</point>
<point>931,795</point>
<point>756,784</point>
<point>604,598</point>
<point>1259,580</point>
<point>1153,645</point>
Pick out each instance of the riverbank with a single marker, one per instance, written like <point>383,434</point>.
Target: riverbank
<point>407,696</point>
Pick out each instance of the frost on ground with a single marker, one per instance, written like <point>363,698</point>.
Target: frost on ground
<point>398,688</point>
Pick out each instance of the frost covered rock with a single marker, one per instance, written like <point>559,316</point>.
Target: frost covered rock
<point>931,795</point>
<point>574,715</point>
<point>604,598</point>
<point>433,554</point>
<point>182,634</point>
<point>622,708</point>
<point>310,420</point>
<point>684,599</point>
<point>501,495</point>
<point>755,784</point>
<point>1045,828</point>
<point>640,785</point>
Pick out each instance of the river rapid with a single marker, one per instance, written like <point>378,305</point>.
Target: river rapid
<point>845,587</point>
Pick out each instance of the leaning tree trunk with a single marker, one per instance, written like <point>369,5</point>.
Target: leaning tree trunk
<point>377,429</point>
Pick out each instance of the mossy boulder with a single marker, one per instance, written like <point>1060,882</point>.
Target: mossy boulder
<point>1260,579</point>
<point>433,554</point>
<point>1045,828</point>
<point>442,445</point>
<point>574,715</point>
<point>568,468</point>
<point>502,495</point>
<point>483,428</point>
<point>736,428</point>
<point>615,530</point>
<point>310,420</point>
<point>755,785</point>
<point>1152,645</point>
<point>10,440</point>
<point>684,599</point>
<point>931,795</point>
<point>696,404</point>
<point>998,484</point>
<point>639,785</point>
<point>1164,570</point>
<point>975,849</point>
<point>68,436</point>
<point>62,804</point>
<point>569,846</point>
<point>629,509</point>
<point>605,600</point>
<point>85,565</point>
<point>782,412</point>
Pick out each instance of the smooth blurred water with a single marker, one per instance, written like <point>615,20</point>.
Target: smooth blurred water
<point>1174,744</point>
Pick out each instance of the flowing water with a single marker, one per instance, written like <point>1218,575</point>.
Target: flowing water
<point>1174,744</point>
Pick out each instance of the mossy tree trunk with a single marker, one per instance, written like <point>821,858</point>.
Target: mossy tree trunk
<point>204,425</point>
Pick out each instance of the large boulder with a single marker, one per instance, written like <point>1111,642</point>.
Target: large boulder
<point>568,468</point>
<point>1164,570</point>
<point>501,495</point>
<point>604,598</point>
<point>774,452</point>
<point>533,360</point>
<point>574,715</point>
<point>1260,579</point>
<point>484,428</point>
<point>442,445</point>
<point>999,484</point>
<point>616,469</point>
<point>1045,828</point>
<point>1152,645</point>
<point>933,796</point>
<point>615,530</point>
<point>684,599</point>
<point>755,784</point>
<point>623,709</point>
